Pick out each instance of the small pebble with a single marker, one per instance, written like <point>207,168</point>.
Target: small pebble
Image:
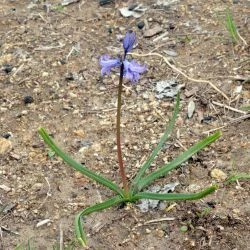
<point>28,99</point>
<point>140,25</point>
<point>5,188</point>
<point>7,135</point>
<point>7,68</point>
<point>171,53</point>
<point>69,77</point>
<point>153,31</point>
<point>103,2</point>
<point>5,146</point>
<point>218,174</point>
<point>171,26</point>
<point>208,119</point>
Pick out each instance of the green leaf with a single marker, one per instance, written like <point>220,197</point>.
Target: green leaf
<point>77,166</point>
<point>182,196</point>
<point>80,234</point>
<point>245,108</point>
<point>51,153</point>
<point>236,177</point>
<point>231,27</point>
<point>163,139</point>
<point>184,229</point>
<point>178,161</point>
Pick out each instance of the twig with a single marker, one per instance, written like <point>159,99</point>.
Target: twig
<point>18,69</point>
<point>182,73</point>
<point>42,18</point>
<point>181,145</point>
<point>158,220</point>
<point>237,77</point>
<point>228,107</point>
<point>8,230</point>
<point>153,221</point>
<point>227,124</point>
<point>75,48</point>
<point>241,38</point>
<point>61,237</point>
<point>160,37</point>
<point>48,193</point>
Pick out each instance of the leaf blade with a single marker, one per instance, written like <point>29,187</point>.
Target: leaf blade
<point>163,139</point>
<point>76,165</point>
<point>80,233</point>
<point>177,161</point>
<point>173,196</point>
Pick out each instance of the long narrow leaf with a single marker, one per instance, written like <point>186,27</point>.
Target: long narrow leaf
<point>178,161</point>
<point>76,165</point>
<point>181,196</point>
<point>81,236</point>
<point>165,136</point>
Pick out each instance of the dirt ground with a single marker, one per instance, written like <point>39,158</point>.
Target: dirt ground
<point>50,77</point>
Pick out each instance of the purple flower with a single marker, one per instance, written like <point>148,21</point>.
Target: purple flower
<point>107,64</point>
<point>130,69</point>
<point>129,41</point>
<point>133,69</point>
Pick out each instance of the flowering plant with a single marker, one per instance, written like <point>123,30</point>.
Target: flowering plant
<point>134,191</point>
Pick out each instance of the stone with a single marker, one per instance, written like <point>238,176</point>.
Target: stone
<point>5,188</point>
<point>5,146</point>
<point>218,174</point>
<point>152,32</point>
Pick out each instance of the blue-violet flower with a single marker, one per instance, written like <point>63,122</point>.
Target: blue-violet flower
<point>128,42</point>
<point>107,64</point>
<point>131,69</point>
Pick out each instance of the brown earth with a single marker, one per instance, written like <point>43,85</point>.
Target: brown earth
<point>51,54</point>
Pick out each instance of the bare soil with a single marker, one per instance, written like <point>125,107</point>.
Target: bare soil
<point>52,54</point>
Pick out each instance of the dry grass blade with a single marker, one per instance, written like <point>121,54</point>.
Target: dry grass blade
<point>247,116</point>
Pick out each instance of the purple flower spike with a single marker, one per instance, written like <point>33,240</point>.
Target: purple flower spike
<point>129,41</point>
<point>107,64</point>
<point>133,69</point>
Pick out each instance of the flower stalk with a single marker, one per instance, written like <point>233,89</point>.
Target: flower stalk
<point>118,134</point>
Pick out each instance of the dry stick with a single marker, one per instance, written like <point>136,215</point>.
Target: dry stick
<point>227,124</point>
<point>228,107</point>
<point>8,230</point>
<point>159,220</point>
<point>182,73</point>
<point>18,69</point>
<point>48,193</point>
<point>241,38</point>
<point>154,221</point>
<point>61,237</point>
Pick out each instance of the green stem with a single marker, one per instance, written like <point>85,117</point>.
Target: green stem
<point>118,134</point>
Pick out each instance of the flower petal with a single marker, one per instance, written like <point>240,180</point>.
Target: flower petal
<point>129,41</point>
<point>132,70</point>
<point>107,64</point>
